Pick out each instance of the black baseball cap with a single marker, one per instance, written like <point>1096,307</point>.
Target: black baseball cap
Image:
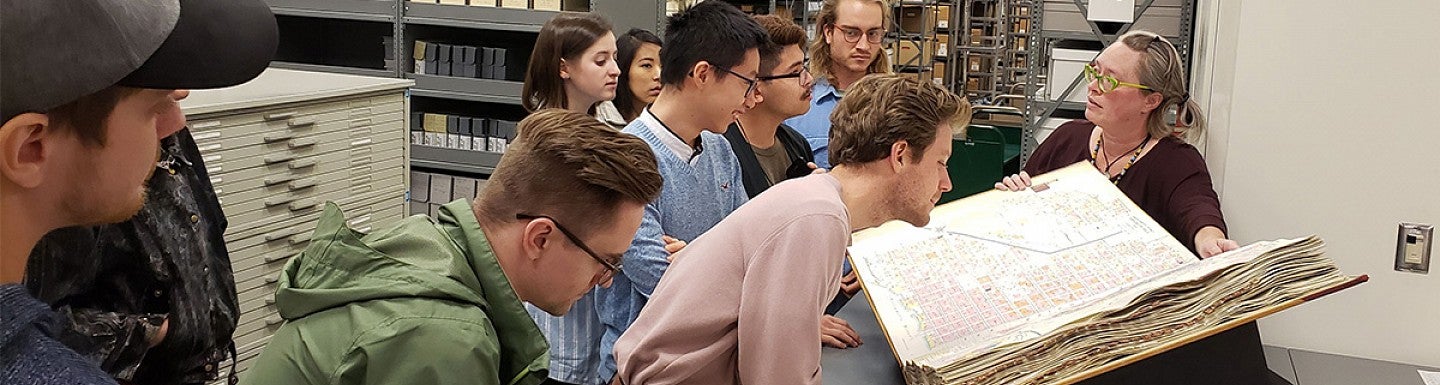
<point>53,52</point>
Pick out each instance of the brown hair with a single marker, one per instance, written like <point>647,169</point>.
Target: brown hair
<point>571,167</point>
<point>783,33</point>
<point>1164,72</point>
<point>566,36</point>
<point>86,116</point>
<point>882,109</point>
<point>820,60</point>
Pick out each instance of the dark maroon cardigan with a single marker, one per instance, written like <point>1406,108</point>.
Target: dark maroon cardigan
<point>1170,182</point>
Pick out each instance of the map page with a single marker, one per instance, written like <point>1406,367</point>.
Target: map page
<point>1001,267</point>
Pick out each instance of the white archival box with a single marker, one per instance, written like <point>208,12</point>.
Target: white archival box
<point>1119,11</point>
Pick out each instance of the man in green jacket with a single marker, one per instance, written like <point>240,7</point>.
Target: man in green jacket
<point>439,300</point>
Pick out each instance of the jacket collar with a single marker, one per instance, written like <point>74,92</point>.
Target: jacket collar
<point>21,312</point>
<point>522,347</point>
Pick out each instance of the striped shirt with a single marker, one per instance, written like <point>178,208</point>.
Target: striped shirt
<point>574,341</point>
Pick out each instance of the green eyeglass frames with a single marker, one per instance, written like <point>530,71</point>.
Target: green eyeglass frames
<point>1108,83</point>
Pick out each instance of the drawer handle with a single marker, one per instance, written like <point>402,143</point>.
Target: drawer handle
<point>196,126</point>
<point>298,123</point>
<point>276,201</point>
<point>303,204</point>
<point>272,279</point>
<point>298,143</point>
<point>278,138</point>
<point>272,258</point>
<point>299,238</point>
<point>278,180</point>
<point>272,159</point>
<point>303,184</point>
<point>270,300</point>
<point>278,235</point>
<point>303,163</point>
<point>280,115</point>
<point>272,321</point>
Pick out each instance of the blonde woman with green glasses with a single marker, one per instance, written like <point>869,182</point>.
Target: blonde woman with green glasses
<point>1137,119</point>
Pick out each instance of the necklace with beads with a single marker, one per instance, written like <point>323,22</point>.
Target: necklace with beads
<point>1095,157</point>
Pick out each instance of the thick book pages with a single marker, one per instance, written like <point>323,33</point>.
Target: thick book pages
<point>1063,282</point>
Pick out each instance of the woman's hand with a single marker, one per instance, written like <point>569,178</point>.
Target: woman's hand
<point>1015,182</point>
<point>1210,241</point>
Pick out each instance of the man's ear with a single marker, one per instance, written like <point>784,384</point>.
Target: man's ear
<point>898,151</point>
<point>26,142</point>
<point>703,72</point>
<point>536,237</point>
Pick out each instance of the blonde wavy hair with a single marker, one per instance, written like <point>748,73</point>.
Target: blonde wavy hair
<point>1163,71</point>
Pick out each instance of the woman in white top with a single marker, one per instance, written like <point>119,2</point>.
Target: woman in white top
<point>573,65</point>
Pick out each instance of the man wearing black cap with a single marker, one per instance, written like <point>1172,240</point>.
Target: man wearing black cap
<point>87,91</point>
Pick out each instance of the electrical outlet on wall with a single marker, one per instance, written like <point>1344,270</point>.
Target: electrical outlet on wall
<point>1412,249</point>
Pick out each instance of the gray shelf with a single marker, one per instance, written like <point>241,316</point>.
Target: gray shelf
<point>363,10</point>
<point>334,69</point>
<point>479,90</point>
<point>496,18</point>
<point>467,161</point>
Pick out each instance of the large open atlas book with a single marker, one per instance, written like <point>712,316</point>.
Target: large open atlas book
<point>1062,282</point>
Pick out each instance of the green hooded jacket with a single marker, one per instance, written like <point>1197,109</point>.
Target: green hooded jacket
<point>423,302</point>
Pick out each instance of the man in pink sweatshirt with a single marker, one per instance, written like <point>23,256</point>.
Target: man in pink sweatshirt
<point>742,302</point>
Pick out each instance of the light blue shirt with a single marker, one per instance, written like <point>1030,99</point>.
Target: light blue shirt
<point>701,187</point>
<point>815,125</point>
<point>574,341</point>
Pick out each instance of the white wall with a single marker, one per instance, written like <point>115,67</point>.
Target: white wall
<point>1326,120</point>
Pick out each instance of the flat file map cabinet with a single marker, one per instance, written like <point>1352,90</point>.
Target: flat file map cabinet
<point>279,147</point>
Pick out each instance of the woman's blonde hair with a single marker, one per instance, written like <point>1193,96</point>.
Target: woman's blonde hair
<point>820,60</point>
<point>1164,72</point>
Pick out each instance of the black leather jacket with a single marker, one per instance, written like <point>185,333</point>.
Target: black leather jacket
<point>113,285</point>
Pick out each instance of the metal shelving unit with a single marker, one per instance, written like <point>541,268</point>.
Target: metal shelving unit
<point>464,161</point>
<point>1155,15</point>
<point>1017,36</point>
<point>404,21</point>
<point>477,90</point>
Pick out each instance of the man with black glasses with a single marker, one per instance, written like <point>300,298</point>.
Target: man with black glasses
<point>708,79</point>
<point>441,300</point>
<point>770,151</point>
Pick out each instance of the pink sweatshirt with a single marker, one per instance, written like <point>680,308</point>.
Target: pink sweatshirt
<point>742,303</point>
